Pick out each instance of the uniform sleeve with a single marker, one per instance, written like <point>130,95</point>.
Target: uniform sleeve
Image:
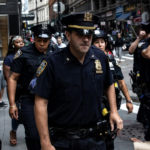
<point>108,75</point>
<point>7,61</point>
<point>42,83</point>
<point>118,71</point>
<point>144,46</point>
<point>18,62</point>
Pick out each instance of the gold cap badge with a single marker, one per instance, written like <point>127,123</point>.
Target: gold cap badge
<point>87,16</point>
<point>98,66</point>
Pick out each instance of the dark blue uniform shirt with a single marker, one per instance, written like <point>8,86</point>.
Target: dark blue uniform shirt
<point>74,90</point>
<point>26,61</point>
<point>8,60</point>
<point>144,63</point>
<point>136,65</point>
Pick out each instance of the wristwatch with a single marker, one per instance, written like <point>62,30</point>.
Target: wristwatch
<point>129,101</point>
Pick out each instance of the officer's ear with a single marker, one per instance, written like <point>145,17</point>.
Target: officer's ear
<point>68,35</point>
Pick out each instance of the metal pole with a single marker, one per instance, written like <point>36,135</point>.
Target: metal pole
<point>37,20</point>
<point>59,16</point>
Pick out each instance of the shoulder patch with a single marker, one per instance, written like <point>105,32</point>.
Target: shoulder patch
<point>140,44</point>
<point>18,53</point>
<point>41,68</point>
<point>33,83</point>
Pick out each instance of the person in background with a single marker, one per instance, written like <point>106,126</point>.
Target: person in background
<point>53,40</point>
<point>118,46</point>
<point>59,43</point>
<point>114,32</point>
<point>15,44</point>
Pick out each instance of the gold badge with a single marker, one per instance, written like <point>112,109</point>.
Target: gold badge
<point>18,53</point>
<point>87,16</point>
<point>41,68</point>
<point>98,66</point>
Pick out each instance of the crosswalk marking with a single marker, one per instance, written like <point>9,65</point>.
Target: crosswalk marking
<point>127,57</point>
<point>135,108</point>
<point>118,59</point>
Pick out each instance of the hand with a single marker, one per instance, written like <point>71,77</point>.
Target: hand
<point>48,147</point>
<point>13,112</point>
<point>115,118</point>
<point>129,107</point>
<point>142,35</point>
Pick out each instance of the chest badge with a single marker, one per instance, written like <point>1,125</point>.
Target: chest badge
<point>98,67</point>
<point>41,68</point>
<point>18,53</point>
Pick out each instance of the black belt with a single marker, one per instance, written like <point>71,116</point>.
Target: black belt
<point>97,132</point>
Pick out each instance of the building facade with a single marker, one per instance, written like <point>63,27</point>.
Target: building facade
<point>41,10</point>
<point>10,22</point>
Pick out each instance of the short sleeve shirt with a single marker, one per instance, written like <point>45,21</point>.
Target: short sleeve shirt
<point>8,60</point>
<point>74,90</point>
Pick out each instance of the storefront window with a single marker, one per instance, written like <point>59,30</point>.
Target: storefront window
<point>3,35</point>
<point>2,1</point>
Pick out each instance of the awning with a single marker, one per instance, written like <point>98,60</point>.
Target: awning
<point>123,16</point>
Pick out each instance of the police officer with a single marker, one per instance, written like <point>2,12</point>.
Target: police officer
<point>135,50</point>
<point>23,68</point>
<point>100,40</point>
<point>70,84</point>
<point>144,51</point>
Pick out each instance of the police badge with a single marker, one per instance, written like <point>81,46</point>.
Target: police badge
<point>41,68</point>
<point>98,66</point>
<point>87,16</point>
<point>18,53</point>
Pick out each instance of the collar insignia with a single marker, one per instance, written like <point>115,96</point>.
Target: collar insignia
<point>87,16</point>
<point>98,67</point>
<point>41,68</point>
<point>18,53</point>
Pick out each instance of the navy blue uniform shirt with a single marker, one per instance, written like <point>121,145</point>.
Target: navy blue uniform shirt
<point>136,65</point>
<point>74,90</point>
<point>8,60</point>
<point>26,61</point>
<point>144,63</point>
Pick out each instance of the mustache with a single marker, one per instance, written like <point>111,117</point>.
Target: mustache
<point>85,44</point>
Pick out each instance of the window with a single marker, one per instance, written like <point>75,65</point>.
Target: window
<point>105,3</point>
<point>113,1</point>
<point>2,2</point>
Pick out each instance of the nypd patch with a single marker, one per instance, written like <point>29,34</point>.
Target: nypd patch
<point>41,68</point>
<point>33,83</point>
<point>140,44</point>
<point>18,53</point>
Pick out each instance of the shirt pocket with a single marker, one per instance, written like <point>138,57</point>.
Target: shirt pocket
<point>69,87</point>
<point>97,85</point>
<point>32,65</point>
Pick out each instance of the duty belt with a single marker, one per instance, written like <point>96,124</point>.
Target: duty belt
<point>97,132</point>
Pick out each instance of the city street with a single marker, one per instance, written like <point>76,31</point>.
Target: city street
<point>131,127</point>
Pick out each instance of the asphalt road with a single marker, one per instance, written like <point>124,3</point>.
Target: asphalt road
<point>121,143</point>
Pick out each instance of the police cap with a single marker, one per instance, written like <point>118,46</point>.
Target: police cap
<point>82,23</point>
<point>99,34</point>
<point>43,30</point>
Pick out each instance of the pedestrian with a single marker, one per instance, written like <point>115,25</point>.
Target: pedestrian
<point>114,32</point>
<point>53,40</point>
<point>100,40</point>
<point>15,44</point>
<point>59,42</point>
<point>69,83</point>
<point>24,65</point>
<point>118,46</point>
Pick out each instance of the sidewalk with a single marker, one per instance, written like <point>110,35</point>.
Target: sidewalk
<point>121,143</point>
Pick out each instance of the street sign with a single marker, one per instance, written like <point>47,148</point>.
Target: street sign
<point>28,16</point>
<point>55,7</point>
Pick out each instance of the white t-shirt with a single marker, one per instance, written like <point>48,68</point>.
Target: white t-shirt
<point>54,41</point>
<point>62,45</point>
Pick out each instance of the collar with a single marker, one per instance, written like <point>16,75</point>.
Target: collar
<point>69,57</point>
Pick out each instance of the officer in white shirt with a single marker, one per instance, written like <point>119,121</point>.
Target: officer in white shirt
<point>59,43</point>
